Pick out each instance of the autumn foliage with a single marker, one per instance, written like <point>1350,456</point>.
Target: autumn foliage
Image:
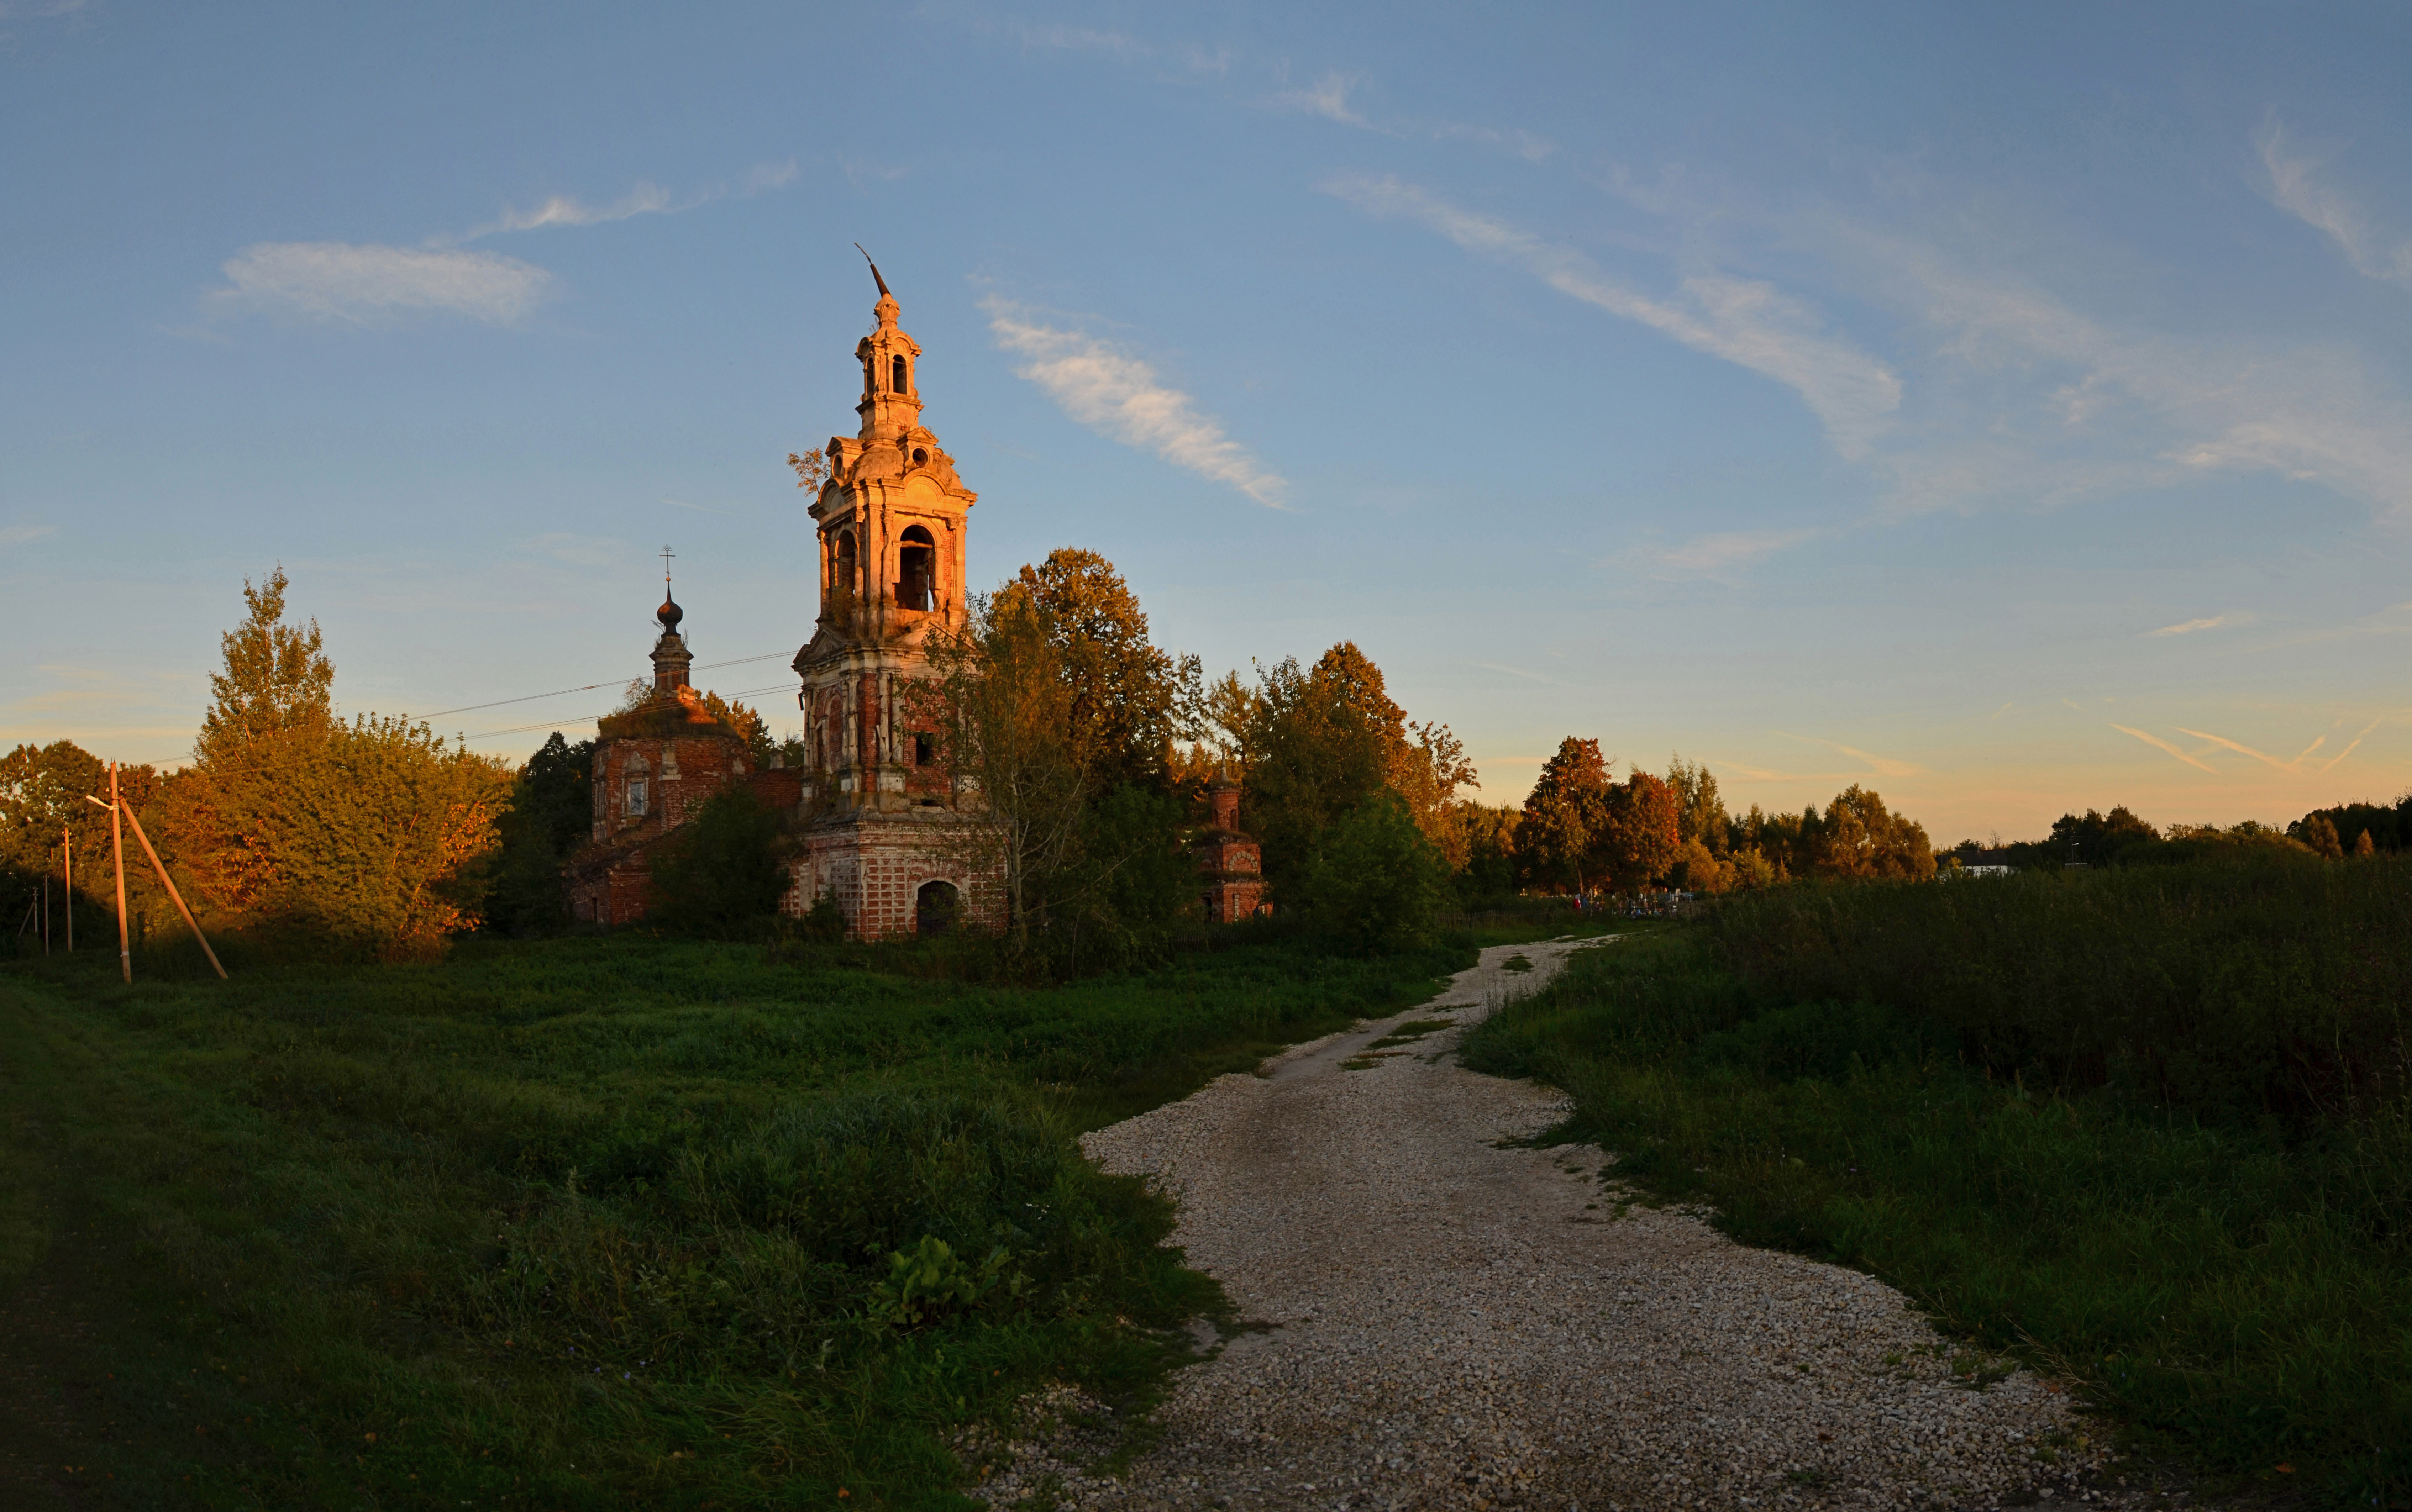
<point>353,836</point>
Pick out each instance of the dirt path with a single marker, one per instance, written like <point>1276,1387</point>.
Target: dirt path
<point>1445,1322</point>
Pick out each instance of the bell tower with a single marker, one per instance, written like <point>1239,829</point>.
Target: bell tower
<point>890,525</point>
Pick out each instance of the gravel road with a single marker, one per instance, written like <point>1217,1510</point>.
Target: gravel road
<point>1436,1320</point>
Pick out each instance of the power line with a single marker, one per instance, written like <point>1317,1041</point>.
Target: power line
<point>592,686</point>
<point>588,719</point>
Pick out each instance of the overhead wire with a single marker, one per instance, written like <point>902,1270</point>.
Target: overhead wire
<point>589,687</point>
<point>588,719</point>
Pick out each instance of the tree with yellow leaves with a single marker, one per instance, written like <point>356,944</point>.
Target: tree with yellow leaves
<point>356,835</point>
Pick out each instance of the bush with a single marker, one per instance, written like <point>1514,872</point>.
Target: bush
<point>1379,884</point>
<point>720,872</point>
<point>2259,980</point>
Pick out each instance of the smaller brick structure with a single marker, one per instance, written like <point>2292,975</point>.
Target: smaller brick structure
<point>1233,866</point>
<point>653,767</point>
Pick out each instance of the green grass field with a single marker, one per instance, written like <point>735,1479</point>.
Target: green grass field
<point>2145,1131</point>
<point>592,1223</point>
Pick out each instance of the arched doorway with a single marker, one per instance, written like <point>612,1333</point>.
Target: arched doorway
<point>936,907</point>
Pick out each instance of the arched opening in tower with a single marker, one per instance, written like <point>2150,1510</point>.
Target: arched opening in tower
<point>917,569</point>
<point>936,907</point>
<point>841,567</point>
<point>898,380</point>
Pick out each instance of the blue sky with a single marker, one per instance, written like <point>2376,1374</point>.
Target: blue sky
<point>2007,408</point>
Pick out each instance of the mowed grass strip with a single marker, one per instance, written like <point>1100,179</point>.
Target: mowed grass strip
<point>573,1223</point>
<point>2231,1284</point>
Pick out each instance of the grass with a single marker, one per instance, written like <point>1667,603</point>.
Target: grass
<point>2229,1280</point>
<point>592,1223</point>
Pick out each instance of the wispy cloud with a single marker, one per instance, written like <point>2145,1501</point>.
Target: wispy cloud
<point>2295,188</point>
<point>347,285</point>
<point>2302,764</point>
<point>1119,395</point>
<point>643,199</point>
<point>1328,97</point>
<point>1709,555</point>
<point>20,534</point>
<point>2159,744</point>
<point>2121,409</point>
<point>581,551</point>
<point>1881,765</point>
<point>562,210</point>
<point>2187,627</point>
<point>1120,45</point>
<point>39,9</point>
<point>1744,321</point>
<point>1524,144</point>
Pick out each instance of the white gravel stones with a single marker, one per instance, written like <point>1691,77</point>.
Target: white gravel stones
<point>1444,1322</point>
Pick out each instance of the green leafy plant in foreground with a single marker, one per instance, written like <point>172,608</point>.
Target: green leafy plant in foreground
<point>2233,1290</point>
<point>562,1222</point>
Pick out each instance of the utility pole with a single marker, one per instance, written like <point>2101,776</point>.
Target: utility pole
<point>66,849</point>
<point>117,855</point>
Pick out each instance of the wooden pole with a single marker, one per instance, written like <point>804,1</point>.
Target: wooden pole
<point>117,856</point>
<point>67,848</point>
<point>170,884</point>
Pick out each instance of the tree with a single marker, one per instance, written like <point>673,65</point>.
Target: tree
<point>1486,837</point>
<point>1641,838</point>
<point>1565,817</point>
<point>1862,839</point>
<point>361,835</point>
<point>1699,811</point>
<point>1001,702</point>
<point>1320,740</point>
<point>1380,883</point>
<point>550,814</point>
<point>722,870</point>
<point>276,680</point>
<point>2320,834</point>
<point>1123,694</point>
<point>2362,846</point>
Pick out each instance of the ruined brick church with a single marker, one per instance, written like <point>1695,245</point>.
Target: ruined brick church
<point>870,808</point>
<point>872,816</point>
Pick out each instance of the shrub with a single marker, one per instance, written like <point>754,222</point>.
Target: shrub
<point>721,872</point>
<point>1379,884</point>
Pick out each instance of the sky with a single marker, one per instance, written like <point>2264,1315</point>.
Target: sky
<point>2007,408</point>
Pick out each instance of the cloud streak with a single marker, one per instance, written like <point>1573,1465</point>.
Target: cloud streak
<point>2188,627</point>
<point>1742,321</point>
<point>1120,396</point>
<point>2125,410</point>
<point>1328,97</point>
<point>341,284</point>
<point>2295,188</point>
<point>1709,555</point>
<point>643,199</point>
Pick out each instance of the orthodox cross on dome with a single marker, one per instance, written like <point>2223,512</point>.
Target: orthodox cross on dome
<point>666,570</point>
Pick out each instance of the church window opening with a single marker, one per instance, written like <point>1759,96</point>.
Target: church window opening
<point>842,563</point>
<point>896,375</point>
<point>936,907</point>
<point>925,751</point>
<point>635,798</point>
<point>919,456</point>
<point>915,568</point>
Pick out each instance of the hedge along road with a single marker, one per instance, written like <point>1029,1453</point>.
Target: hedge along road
<point>1439,1315</point>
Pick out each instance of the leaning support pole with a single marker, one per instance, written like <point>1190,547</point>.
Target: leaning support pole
<point>170,884</point>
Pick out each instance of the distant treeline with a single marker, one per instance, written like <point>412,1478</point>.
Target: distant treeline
<point>2095,838</point>
<point>1584,831</point>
